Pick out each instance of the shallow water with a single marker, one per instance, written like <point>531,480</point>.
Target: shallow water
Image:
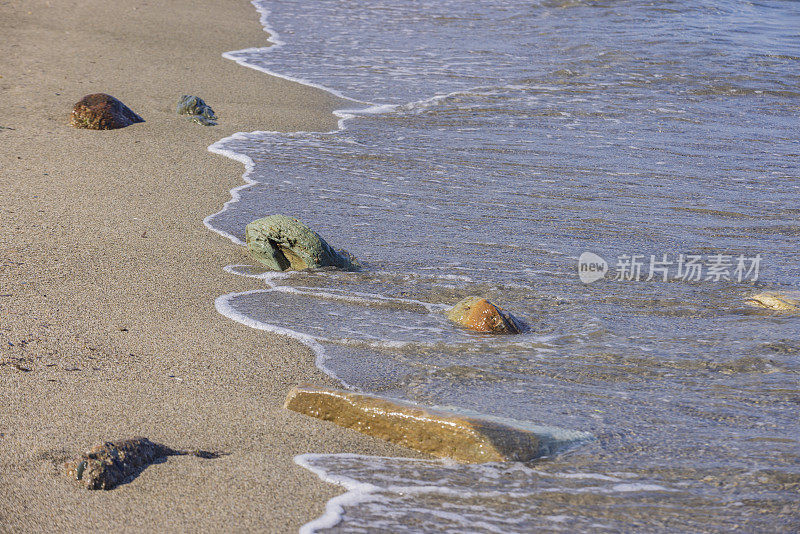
<point>493,143</point>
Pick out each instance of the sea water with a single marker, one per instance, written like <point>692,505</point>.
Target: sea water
<point>484,148</point>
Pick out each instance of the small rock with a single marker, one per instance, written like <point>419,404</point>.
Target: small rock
<point>100,111</point>
<point>786,302</point>
<point>463,436</point>
<point>199,111</point>
<point>284,243</point>
<point>108,465</point>
<point>477,313</point>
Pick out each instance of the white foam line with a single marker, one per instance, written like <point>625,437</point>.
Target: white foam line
<point>582,476</point>
<point>362,297</point>
<point>267,276</point>
<point>353,296</point>
<point>223,306</point>
<point>427,276</point>
<point>357,492</point>
<point>275,39</point>
<point>249,164</point>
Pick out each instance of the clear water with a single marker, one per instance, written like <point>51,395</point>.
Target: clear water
<point>489,145</point>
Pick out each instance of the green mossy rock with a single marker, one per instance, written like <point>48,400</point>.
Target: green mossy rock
<point>283,243</point>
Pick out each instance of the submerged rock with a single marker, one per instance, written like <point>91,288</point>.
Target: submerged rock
<point>477,313</point>
<point>465,437</point>
<point>100,111</point>
<point>284,243</point>
<point>108,465</point>
<point>786,302</point>
<point>199,111</point>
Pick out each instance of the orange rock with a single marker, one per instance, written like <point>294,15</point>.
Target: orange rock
<point>477,313</point>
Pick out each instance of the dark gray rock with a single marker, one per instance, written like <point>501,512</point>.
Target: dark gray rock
<point>108,465</point>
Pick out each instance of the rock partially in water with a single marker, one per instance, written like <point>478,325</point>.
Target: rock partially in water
<point>785,302</point>
<point>463,436</point>
<point>479,314</point>
<point>100,111</point>
<point>284,243</point>
<point>199,111</point>
<point>108,465</point>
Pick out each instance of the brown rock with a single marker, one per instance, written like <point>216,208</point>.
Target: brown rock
<point>477,313</point>
<point>100,111</point>
<point>463,437</point>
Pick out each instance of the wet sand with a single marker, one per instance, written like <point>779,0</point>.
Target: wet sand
<point>108,276</point>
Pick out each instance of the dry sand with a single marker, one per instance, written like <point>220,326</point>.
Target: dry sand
<point>108,276</point>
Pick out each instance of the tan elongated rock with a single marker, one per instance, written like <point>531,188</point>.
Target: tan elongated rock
<point>477,313</point>
<point>465,437</point>
<point>786,302</point>
<point>283,243</point>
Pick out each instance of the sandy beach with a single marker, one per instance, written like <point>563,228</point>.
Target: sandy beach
<point>108,276</point>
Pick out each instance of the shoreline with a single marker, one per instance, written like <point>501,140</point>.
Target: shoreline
<point>108,276</point>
